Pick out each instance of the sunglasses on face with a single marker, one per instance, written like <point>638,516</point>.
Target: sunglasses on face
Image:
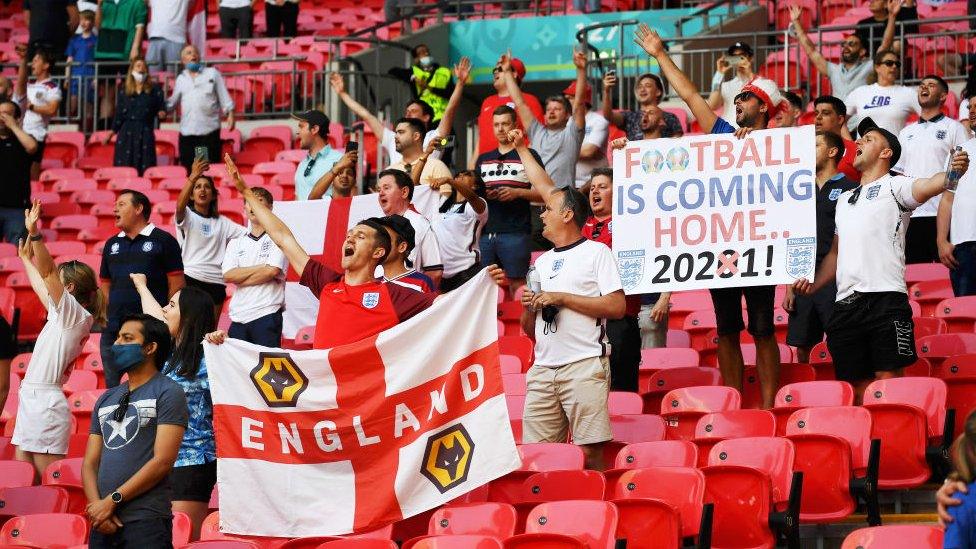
<point>890,63</point>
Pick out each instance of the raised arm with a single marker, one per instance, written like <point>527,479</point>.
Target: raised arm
<point>461,72</point>
<point>523,110</point>
<point>534,172</point>
<point>648,39</point>
<point>200,165</point>
<point>463,183</point>
<point>73,18</point>
<point>26,252</point>
<point>20,84</point>
<point>606,104</point>
<point>275,227</point>
<point>579,108</point>
<point>801,36</point>
<point>925,188</point>
<point>43,264</point>
<point>348,160</point>
<point>339,88</point>
<point>894,6</point>
<point>150,306</point>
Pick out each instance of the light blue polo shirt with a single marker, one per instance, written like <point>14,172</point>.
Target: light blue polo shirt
<point>323,162</point>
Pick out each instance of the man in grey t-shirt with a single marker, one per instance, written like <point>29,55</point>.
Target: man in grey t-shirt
<point>135,434</point>
<point>558,142</point>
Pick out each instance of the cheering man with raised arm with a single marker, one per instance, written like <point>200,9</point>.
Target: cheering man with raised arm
<point>871,334</point>
<point>755,106</point>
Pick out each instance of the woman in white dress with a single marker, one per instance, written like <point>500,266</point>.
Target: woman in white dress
<point>70,294</point>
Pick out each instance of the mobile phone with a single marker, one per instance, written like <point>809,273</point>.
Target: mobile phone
<point>201,152</point>
<point>446,142</point>
<point>352,146</point>
<point>734,60</point>
<point>612,72</point>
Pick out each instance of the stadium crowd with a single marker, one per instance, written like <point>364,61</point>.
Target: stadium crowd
<point>887,189</point>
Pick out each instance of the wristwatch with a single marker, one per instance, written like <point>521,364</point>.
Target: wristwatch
<point>116,497</point>
<point>36,237</point>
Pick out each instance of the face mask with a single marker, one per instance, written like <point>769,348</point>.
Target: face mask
<point>426,60</point>
<point>194,67</point>
<point>127,356</point>
<point>139,77</point>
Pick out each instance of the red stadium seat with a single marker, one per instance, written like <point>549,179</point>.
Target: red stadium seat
<point>667,357</point>
<point>917,272</point>
<point>681,408</point>
<point>64,146</point>
<point>664,381</point>
<point>182,528</point>
<point>838,459</point>
<point>633,428</point>
<point>159,173</point>
<point>938,347</point>
<point>895,536</point>
<point>742,499</point>
<point>50,211</point>
<point>33,314</point>
<point>68,226</point>
<point>271,138</point>
<point>623,402</point>
<point>66,474</point>
<point>222,544</point>
<point>57,174</point>
<point>563,518</point>
<point>304,337</point>
<point>959,374</point>
<point>959,314</point>
<point>8,266</point>
<point>772,455</point>
<point>89,197</point>
<point>16,474</point>
<point>789,372</point>
<point>167,146</point>
<point>543,541</point>
<point>714,428</point>
<point>103,175</point>
<point>929,293</point>
<point>140,184</point>
<point>562,485</point>
<point>927,325</point>
<point>536,457</point>
<point>18,365</point>
<point>681,489</point>
<point>513,384</point>
<point>510,364</point>
<point>81,405</point>
<point>698,324</point>
<point>794,396</point>
<point>358,543</point>
<point>516,406</point>
<point>32,500</point>
<point>520,346</point>
<point>81,380</point>
<point>684,303</point>
<point>663,453</point>
<point>463,541</point>
<point>6,449</point>
<point>485,518</point>
<point>51,530</point>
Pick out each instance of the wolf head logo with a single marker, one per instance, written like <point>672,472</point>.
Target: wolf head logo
<point>278,379</point>
<point>447,458</point>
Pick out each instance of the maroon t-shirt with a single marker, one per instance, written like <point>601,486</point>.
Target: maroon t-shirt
<point>349,313</point>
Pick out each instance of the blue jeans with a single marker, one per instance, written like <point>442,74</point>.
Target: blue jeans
<point>264,331</point>
<point>13,224</point>
<point>963,277</point>
<point>152,533</point>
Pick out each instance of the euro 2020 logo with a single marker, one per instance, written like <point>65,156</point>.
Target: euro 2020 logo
<point>677,160</point>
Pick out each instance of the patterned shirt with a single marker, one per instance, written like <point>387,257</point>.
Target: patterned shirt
<point>672,126</point>
<point>198,446</point>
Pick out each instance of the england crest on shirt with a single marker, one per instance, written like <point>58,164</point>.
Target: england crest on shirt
<point>940,135</point>
<point>556,265</point>
<point>206,229</point>
<point>115,248</point>
<point>371,300</point>
<point>834,194</point>
<point>147,247</point>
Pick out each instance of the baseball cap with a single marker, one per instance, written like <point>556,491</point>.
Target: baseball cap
<point>766,91</point>
<point>314,118</point>
<point>518,67</point>
<point>401,226</point>
<point>868,125</point>
<point>740,46</point>
<point>587,92</point>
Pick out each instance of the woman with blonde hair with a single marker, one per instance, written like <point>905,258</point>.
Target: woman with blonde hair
<point>137,106</point>
<point>70,293</point>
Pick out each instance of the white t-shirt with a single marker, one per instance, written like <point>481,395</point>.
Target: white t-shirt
<point>925,148</point>
<point>731,89</point>
<point>60,341</point>
<point>40,94</point>
<point>963,225</point>
<point>458,231</point>
<point>426,254</point>
<point>204,242</point>
<point>888,106</point>
<point>964,110</point>
<point>252,302</point>
<point>585,268</point>
<point>168,20</point>
<point>871,236</point>
<point>596,132</point>
<point>389,145</point>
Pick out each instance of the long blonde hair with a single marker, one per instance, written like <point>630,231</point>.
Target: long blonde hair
<point>131,86</point>
<point>87,292</point>
<point>964,452</point>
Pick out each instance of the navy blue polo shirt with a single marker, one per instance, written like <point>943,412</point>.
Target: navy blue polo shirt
<point>153,252</point>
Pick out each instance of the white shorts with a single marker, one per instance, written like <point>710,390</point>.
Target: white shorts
<point>43,421</point>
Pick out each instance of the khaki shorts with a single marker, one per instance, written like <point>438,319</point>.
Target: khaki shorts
<point>571,398</point>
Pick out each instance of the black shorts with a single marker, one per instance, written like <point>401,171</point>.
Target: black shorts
<point>39,153</point>
<point>625,353</point>
<point>810,316</point>
<point>458,280</point>
<point>217,292</point>
<point>759,308</point>
<point>8,340</point>
<point>193,482</point>
<point>871,332</point>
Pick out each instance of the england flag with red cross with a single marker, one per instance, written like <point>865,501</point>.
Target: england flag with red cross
<point>328,442</point>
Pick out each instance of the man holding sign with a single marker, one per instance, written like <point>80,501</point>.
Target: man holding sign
<point>871,334</point>
<point>755,106</point>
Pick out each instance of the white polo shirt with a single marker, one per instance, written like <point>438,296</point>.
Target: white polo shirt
<point>60,341</point>
<point>426,254</point>
<point>871,236</point>
<point>458,231</point>
<point>204,242</point>
<point>595,133</point>
<point>252,302</point>
<point>584,268</point>
<point>925,147</point>
<point>39,94</point>
<point>888,106</point>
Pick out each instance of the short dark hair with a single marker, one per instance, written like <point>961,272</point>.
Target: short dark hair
<point>657,80</point>
<point>46,54</point>
<point>154,331</point>
<point>577,203</point>
<point>17,110</point>
<point>415,123</point>
<point>401,178</point>
<point>833,141</point>
<point>424,106</point>
<point>505,109</point>
<point>415,49</point>
<point>561,99</point>
<point>793,98</point>
<point>263,194</point>
<point>87,14</point>
<point>597,172</point>
<point>939,79</point>
<point>834,102</point>
<point>139,199</point>
<point>382,239</point>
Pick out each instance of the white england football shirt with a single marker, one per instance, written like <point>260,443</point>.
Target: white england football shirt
<point>585,268</point>
<point>925,148</point>
<point>888,106</point>
<point>252,302</point>
<point>458,231</point>
<point>39,94</point>
<point>426,254</point>
<point>60,341</point>
<point>871,236</point>
<point>204,242</point>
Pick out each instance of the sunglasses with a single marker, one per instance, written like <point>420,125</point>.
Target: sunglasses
<point>855,196</point>
<point>890,63</point>
<point>311,164</point>
<point>119,413</point>
<point>497,70</point>
<point>597,230</point>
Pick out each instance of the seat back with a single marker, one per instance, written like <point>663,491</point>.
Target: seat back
<point>624,402</point>
<point>459,542</point>
<point>681,408</point>
<point>895,536</point>
<point>772,455</point>
<point>815,393</point>
<point>825,461</point>
<point>742,499</point>
<point>681,487</point>
<point>16,474</point>
<point>31,500</point>
<point>851,423</point>
<point>597,531</point>
<point>665,380</point>
<point>550,456</point>
<point>637,428</point>
<point>945,345</point>
<point>712,428</point>
<point>648,524</point>
<point>562,485</point>
<point>485,518</point>
<point>45,530</point>
<point>925,393</point>
<point>63,472</point>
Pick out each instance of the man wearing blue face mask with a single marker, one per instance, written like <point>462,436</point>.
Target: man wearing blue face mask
<point>135,434</point>
<point>429,81</point>
<point>203,99</point>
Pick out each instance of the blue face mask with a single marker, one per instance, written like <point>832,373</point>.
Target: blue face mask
<point>127,356</point>
<point>194,67</point>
